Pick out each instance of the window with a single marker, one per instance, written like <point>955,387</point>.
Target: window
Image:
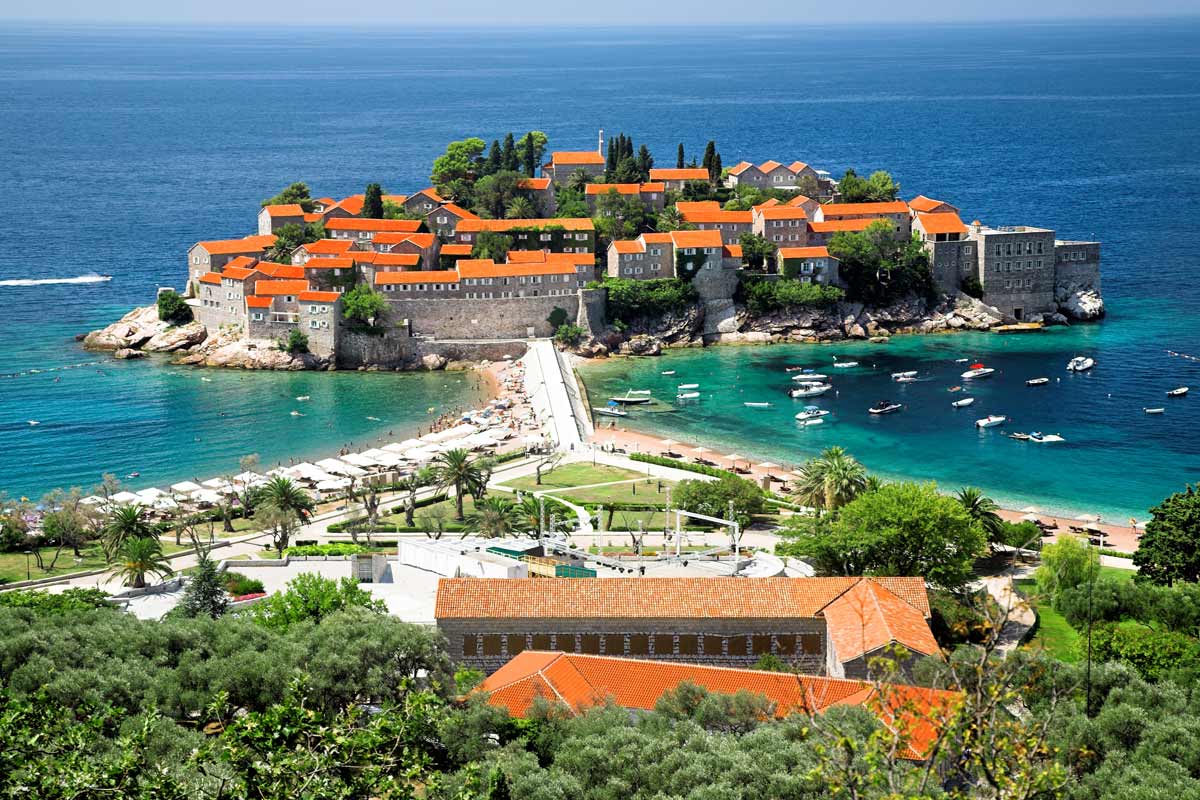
<point>491,644</point>
<point>664,644</point>
<point>1008,249</point>
<point>312,323</point>
<point>629,256</point>
<point>966,250</point>
<point>470,644</point>
<point>442,220</point>
<point>581,237</point>
<point>999,250</point>
<point>564,642</point>
<point>516,643</point>
<point>257,315</point>
<point>545,237</point>
<point>614,644</point>
<point>1008,284</point>
<point>714,645</point>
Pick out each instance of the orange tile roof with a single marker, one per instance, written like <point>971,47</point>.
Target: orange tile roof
<point>926,204</point>
<point>624,188</point>
<point>314,216</point>
<point>768,203</point>
<point>708,217</point>
<point>211,277</point>
<point>580,681</point>
<point>566,223</point>
<point>272,288</point>
<point>536,184</point>
<point>457,211</point>
<point>796,166</point>
<point>740,167</point>
<point>546,257</point>
<point>868,617</point>
<point>858,209</point>
<point>332,262</point>
<point>768,166</point>
<point>254,301</point>
<point>732,251</point>
<point>684,206</point>
<point>679,174</point>
<point>284,210</point>
<point>245,262</point>
<point>486,268</point>
<point>943,222</point>
<point>284,271</point>
<point>803,252</point>
<point>576,157</point>
<point>364,224</point>
<point>456,249</point>
<point>327,246</point>
<point>652,597</point>
<point>398,199</point>
<point>431,193</point>
<point>421,240</point>
<point>833,225</point>
<point>236,273</point>
<point>228,247</point>
<point>318,297</point>
<point>783,212</point>
<point>325,201</point>
<point>353,204</point>
<point>656,238</point>
<point>696,238</point>
<point>388,259</point>
<point>628,246</point>
<point>800,200</point>
<point>416,276</point>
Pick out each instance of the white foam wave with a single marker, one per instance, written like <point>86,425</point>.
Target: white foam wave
<point>92,278</point>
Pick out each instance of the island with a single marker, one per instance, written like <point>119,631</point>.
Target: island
<point>605,252</point>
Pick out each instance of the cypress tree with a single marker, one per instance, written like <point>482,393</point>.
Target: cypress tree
<point>645,162</point>
<point>204,596</point>
<point>710,150</point>
<point>530,161</point>
<point>610,162</point>
<point>508,160</point>
<point>373,202</point>
<point>493,160</point>
<point>679,158</point>
<point>716,168</point>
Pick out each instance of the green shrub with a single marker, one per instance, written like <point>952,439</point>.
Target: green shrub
<point>568,335</point>
<point>558,317</point>
<point>662,461</point>
<point>955,621</point>
<point>763,296</point>
<point>237,584</point>
<point>173,308</point>
<point>74,599</point>
<point>1152,653</point>
<point>971,287</point>
<point>331,549</point>
<point>295,343</point>
<point>633,300</point>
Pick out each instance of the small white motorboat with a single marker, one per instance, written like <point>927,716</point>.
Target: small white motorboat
<point>817,421</point>
<point>977,371</point>
<point>1080,364</point>
<point>961,360</point>
<point>1154,410</point>
<point>810,377</point>
<point>610,412</point>
<point>629,399</point>
<point>34,422</point>
<point>688,386</point>
<point>991,421</point>
<point>638,391</point>
<point>1037,381</point>
<point>966,401</point>
<point>667,372</point>
<point>844,364</point>
<point>812,412</point>
<point>757,405</point>
<point>908,379</point>
<point>207,380</point>
<point>884,407</point>
<point>1044,438</point>
<point>302,397</point>
<point>375,419</point>
<point>687,395</point>
<point>912,373</point>
<point>811,390</point>
<point>296,414</point>
<point>1180,392</point>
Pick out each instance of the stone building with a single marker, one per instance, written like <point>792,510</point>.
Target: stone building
<point>819,625</point>
<point>444,219</point>
<point>821,231</point>
<point>422,202</point>
<point>1016,266</point>
<point>730,224</point>
<point>782,225</point>
<point>556,234</point>
<point>362,229</point>
<point>540,193</point>
<point>272,218</point>
<point>952,256</point>
<point>222,296</point>
<point>895,212</point>
<point>426,246</point>
<point>565,162</point>
<point>652,195</point>
<point>927,205</point>
<point>322,248</point>
<point>769,174</point>
<point>674,179</point>
<point>808,265</point>
<point>213,255</point>
<point>651,255</point>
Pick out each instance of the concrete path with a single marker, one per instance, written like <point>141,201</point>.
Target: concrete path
<point>546,386</point>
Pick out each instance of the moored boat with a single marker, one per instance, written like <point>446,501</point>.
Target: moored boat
<point>611,411</point>
<point>966,401</point>
<point>1045,438</point>
<point>812,412</point>
<point>1020,437</point>
<point>845,364</point>
<point>667,372</point>
<point>757,405</point>
<point>1154,410</point>
<point>977,370</point>
<point>687,395</point>
<point>630,400</point>
<point>1080,364</point>
<point>1037,381</point>
<point>912,373</point>
<point>811,377</point>
<point>817,421</point>
<point>811,390</point>
<point>688,386</point>
<point>884,407</point>
<point>1180,392</point>
<point>638,391</point>
<point>991,421</point>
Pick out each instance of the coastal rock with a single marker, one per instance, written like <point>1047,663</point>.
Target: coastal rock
<point>131,330</point>
<point>128,353</point>
<point>433,362</point>
<point>226,350</point>
<point>1085,304</point>
<point>641,345</point>
<point>856,331</point>
<point>1055,319</point>
<point>179,337</point>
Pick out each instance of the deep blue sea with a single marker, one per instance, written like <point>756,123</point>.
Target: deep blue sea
<point>123,147</point>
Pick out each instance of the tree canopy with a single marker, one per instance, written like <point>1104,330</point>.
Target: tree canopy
<point>878,188</point>
<point>1169,549</point>
<point>362,303</point>
<point>295,193</point>
<point>880,267</point>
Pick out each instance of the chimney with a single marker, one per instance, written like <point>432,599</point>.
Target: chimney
<point>600,146</point>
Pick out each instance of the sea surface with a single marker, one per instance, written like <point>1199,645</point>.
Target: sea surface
<point>122,147</point>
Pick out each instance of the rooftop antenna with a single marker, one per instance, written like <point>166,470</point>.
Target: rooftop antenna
<point>600,143</point>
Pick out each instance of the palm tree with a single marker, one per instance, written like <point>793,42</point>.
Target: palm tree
<point>529,514</point>
<point>285,495</point>
<point>578,179</point>
<point>982,509</point>
<point>456,468</point>
<point>125,523</point>
<point>412,482</point>
<point>832,479</point>
<point>495,517</point>
<point>139,558</point>
<point>669,219</point>
<point>519,208</point>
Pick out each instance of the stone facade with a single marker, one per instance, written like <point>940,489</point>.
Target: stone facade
<point>1016,267</point>
<point>493,318</point>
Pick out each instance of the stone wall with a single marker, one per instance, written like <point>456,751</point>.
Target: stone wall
<point>395,349</point>
<point>487,644</point>
<point>592,307</point>
<point>494,318</point>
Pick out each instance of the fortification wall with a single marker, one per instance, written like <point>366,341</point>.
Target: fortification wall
<point>494,318</point>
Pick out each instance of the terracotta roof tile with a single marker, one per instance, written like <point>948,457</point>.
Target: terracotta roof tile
<point>566,223</point>
<point>456,249</point>
<point>456,210</point>
<point>353,204</point>
<point>696,238</point>
<point>782,212</point>
<point>331,262</point>
<point>416,276</point>
<point>228,247</point>
<point>676,174</point>
<point>685,206</point>
<point>284,210</point>
<point>486,268</point>
<point>431,193</point>
<point>944,222</point>
<point>803,252</point>
<point>282,271</point>
<point>624,188</point>
<point>236,273</point>
<point>868,617</point>
<point>732,251</point>
<point>628,246</point>
<point>568,157</point>
<point>327,246</point>
<point>211,277</point>
<point>272,288</point>
<point>381,225</point>
<point>927,204</point>
<point>318,297</point>
<point>740,167</point>
<point>245,262</point>
<point>254,301</point>
<point>838,210</point>
<point>534,184</point>
<point>421,240</point>
<point>800,200</point>
<point>769,166</point>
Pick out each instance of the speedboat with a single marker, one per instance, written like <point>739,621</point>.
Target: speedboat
<point>757,405</point>
<point>845,364</point>
<point>1154,410</point>
<point>688,386</point>
<point>812,412</point>
<point>961,360</point>
<point>912,373</point>
<point>793,369</point>
<point>302,397</point>
<point>1037,381</point>
<point>810,377</point>
<point>1180,392</point>
<point>687,395</point>
<point>991,421</point>
<point>34,422</point>
<point>296,414</point>
<point>1020,437</point>
<point>630,400</point>
<point>667,372</point>
<point>954,389</point>
<point>884,407</point>
<point>811,390</point>
<point>977,371</point>
<point>908,379</point>
<point>1080,364</point>
<point>638,391</point>
<point>966,401</point>
<point>1045,437</point>
<point>610,412</point>
<point>817,421</point>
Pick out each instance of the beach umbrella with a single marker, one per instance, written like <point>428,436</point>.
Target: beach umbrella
<point>1031,517</point>
<point>1030,509</point>
<point>126,497</point>
<point>1091,526</point>
<point>185,487</point>
<point>768,465</point>
<point>701,450</point>
<point>1087,517</point>
<point>668,442</point>
<point>735,457</point>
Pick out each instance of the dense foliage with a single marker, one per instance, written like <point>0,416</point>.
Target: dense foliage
<point>1169,549</point>
<point>878,188</point>
<point>173,308</point>
<point>363,304</point>
<point>295,193</point>
<point>630,300</point>
<point>719,498</point>
<point>764,296</point>
<point>880,267</point>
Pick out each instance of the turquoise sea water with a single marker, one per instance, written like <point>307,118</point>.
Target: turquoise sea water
<point>122,147</point>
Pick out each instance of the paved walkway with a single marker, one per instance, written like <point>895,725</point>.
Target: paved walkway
<point>546,386</point>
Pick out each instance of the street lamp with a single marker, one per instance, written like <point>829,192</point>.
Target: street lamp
<point>28,574</point>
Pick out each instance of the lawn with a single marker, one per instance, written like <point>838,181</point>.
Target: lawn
<point>12,565</point>
<point>652,492</point>
<point>1054,633</point>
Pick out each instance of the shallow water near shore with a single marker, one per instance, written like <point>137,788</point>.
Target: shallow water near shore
<point>1116,461</point>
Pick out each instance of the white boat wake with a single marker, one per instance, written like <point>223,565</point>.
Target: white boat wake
<point>92,278</point>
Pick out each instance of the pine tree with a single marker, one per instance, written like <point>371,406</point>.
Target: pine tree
<point>500,788</point>
<point>530,159</point>
<point>493,159</point>
<point>645,162</point>
<point>509,158</point>
<point>204,595</point>
<point>372,207</point>
<point>679,158</point>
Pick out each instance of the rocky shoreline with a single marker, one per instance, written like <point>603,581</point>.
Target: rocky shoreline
<point>845,321</point>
